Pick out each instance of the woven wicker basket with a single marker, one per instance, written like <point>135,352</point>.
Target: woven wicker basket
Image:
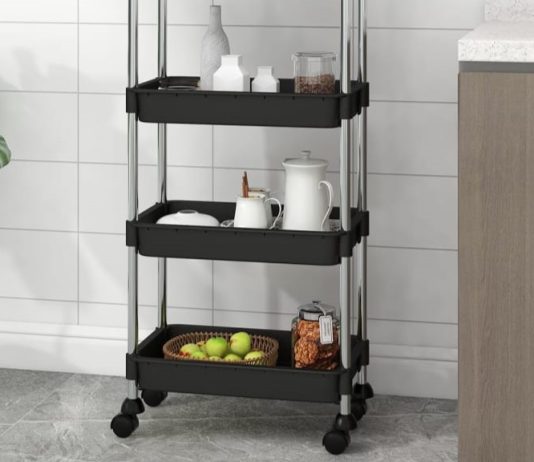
<point>266,344</point>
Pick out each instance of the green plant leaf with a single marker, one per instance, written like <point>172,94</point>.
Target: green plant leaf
<point>5,153</point>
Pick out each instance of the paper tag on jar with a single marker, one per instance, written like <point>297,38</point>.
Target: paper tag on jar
<point>326,330</point>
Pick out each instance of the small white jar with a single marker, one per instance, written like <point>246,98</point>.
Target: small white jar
<point>231,76</point>
<point>265,81</point>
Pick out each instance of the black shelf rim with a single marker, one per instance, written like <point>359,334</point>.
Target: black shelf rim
<point>151,371</point>
<point>313,248</point>
<point>154,102</point>
<point>357,218</point>
<point>137,357</point>
<point>152,86</point>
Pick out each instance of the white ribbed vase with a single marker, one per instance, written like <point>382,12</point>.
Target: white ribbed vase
<point>214,45</point>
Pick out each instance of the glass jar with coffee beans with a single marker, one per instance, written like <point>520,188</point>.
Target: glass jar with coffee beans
<point>315,337</point>
<point>314,72</point>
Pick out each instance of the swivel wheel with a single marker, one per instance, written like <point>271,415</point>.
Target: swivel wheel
<point>359,408</point>
<point>153,398</point>
<point>336,441</point>
<point>345,423</point>
<point>123,425</point>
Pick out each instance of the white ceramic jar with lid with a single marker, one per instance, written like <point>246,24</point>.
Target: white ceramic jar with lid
<point>308,197</point>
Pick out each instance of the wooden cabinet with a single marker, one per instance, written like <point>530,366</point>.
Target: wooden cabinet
<point>496,267</point>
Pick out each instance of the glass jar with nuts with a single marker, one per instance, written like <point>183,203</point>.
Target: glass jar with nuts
<point>315,337</point>
<point>314,73</point>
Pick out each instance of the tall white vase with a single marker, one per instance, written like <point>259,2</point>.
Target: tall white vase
<point>214,45</point>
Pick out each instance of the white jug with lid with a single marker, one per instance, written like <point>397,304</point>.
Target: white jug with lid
<point>309,197</point>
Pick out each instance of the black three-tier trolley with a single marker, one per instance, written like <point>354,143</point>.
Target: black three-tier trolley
<point>162,102</point>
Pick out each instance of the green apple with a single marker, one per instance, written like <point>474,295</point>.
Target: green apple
<point>216,346</point>
<point>189,349</point>
<point>254,355</point>
<point>215,358</point>
<point>202,346</point>
<point>232,357</point>
<point>199,355</point>
<point>240,343</point>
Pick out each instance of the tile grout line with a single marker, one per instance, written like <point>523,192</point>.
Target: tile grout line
<point>6,429</point>
<point>78,168</point>
<point>121,234</point>
<point>116,93</point>
<point>241,26</point>
<point>228,168</point>
<point>224,310</point>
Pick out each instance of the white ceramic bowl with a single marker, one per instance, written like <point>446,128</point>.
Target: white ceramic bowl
<point>188,218</point>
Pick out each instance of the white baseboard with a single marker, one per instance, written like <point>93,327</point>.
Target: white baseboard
<point>395,369</point>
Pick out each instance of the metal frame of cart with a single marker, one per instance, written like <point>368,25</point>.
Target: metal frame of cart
<point>146,369</point>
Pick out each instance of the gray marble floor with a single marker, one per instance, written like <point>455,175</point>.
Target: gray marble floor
<point>52,417</point>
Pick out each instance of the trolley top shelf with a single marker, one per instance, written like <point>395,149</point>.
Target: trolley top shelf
<point>164,100</point>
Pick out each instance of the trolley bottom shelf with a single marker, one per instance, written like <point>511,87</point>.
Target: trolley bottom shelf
<point>153,372</point>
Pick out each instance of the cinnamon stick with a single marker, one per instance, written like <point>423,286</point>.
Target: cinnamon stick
<point>245,185</point>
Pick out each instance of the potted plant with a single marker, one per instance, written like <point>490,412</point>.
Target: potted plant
<point>5,153</point>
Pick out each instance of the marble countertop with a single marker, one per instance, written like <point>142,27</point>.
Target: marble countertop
<point>509,10</point>
<point>499,41</point>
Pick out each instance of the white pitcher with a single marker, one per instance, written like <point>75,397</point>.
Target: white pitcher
<point>309,197</point>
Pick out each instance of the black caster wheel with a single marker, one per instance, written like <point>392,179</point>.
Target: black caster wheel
<point>153,398</point>
<point>345,423</point>
<point>132,406</point>
<point>124,425</point>
<point>364,392</point>
<point>336,441</point>
<point>359,408</point>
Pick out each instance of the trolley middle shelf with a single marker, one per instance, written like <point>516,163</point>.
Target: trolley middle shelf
<point>240,244</point>
<point>284,382</point>
<point>177,100</point>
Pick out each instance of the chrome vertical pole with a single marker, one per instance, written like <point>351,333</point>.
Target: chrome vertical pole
<point>132,191</point>
<point>362,181</point>
<point>346,183</point>
<point>162,160</point>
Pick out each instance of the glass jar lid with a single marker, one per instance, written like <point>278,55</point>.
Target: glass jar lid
<point>314,310</point>
<point>314,55</point>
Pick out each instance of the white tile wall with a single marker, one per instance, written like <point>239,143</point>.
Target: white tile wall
<point>413,211</point>
<point>104,206</point>
<point>413,285</point>
<point>110,315</point>
<point>272,288</point>
<point>63,199</point>
<point>116,12</point>
<point>427,132</point>
<point>39,112</point>
<point>38,265</point>
<point>103,275</point>
<point>188,145</point>
<point>38,11</point>
<point>38,311</point>
<point>39,195</point>
<point>267,147</point>
<point>38,57</point>
<point>413,64</point>
<point>434,14</point>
